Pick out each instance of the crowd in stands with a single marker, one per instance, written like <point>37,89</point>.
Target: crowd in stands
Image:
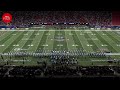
<point>96,71</point>
<point>26,71</point>
<point>3,70</point>
<point>117,69</point>
<point>63,71</point>
<point>93,18</point>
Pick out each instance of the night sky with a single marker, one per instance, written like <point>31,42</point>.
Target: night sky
<point>59,5</point>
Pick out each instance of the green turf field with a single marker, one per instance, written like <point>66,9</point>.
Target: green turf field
<point>89,41</point>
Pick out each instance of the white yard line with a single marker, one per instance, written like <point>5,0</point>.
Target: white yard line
<point>112,54</point>
<point>84,41</point>
<point>46,43</point>
<point>7,45</point>
<point>59,43</point>
<point>60,30</point>
<point>21,41</point>
<point>116,35</point>
<point>4,36</point>
<point>70,41</point>
<point>28,39</point>
<point>111,41</point>
<point>65,40</point>
<point>97,44</point>
<point>49,41</point>
<point>32,42</point>
<point>36,41</point>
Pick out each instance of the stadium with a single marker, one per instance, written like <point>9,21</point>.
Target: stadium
<point>60,44</point>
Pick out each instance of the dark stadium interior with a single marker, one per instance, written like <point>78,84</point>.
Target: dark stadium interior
<point>63,65</point>
<point>59,5</point>
<point>32,13</point>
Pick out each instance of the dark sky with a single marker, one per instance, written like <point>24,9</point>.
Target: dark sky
<point>59,5</point>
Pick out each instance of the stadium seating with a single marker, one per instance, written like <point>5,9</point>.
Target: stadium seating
<point>63,64</point>
<point>94,18</point>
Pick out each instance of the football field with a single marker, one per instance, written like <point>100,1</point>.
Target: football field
<point>69,40</point>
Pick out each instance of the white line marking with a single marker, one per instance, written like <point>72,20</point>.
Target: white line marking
<point>60,30</point>
<point>74,45</point>
<point>104,45</point>
<point>59,45</point>
<point>81,34</point>
<point>2,45</point>
<point>89,45</point>
<point>118,44</point>
<point>45,45</point>
<point>13,34</point>
<point>103,34</point>
<point>25,34</point>
<point>16,45</point>
<point>93,34</point>
<point>30,45</point>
